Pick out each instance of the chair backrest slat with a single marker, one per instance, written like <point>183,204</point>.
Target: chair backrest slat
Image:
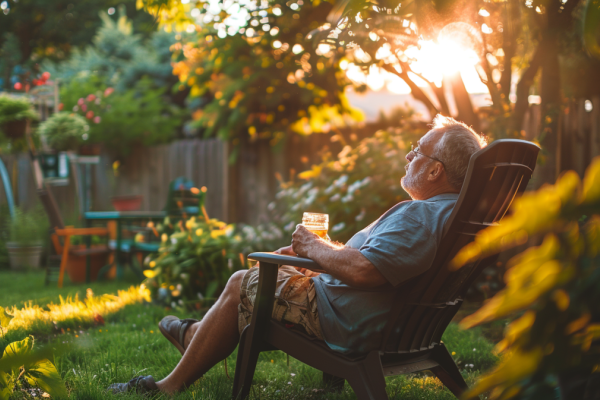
<point>495,176</point>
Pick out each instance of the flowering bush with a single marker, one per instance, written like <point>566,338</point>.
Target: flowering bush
<point>194,262</point>
<point>122,119</point>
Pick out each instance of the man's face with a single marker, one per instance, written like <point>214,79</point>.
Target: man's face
<point>417,168</point>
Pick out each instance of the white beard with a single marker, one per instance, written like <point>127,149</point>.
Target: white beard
<point>413,181</point>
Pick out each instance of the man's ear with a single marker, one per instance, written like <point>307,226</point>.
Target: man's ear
<point>435,172</point>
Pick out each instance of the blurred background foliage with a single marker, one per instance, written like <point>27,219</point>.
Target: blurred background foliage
<point>553,289</point>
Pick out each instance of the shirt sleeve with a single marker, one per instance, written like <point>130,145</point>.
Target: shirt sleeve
<point>400,248</point>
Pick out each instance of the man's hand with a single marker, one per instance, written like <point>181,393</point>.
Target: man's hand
<point>303,240</point>
<point>288,251</point>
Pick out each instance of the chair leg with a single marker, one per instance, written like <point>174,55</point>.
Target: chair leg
<point>334,383</point>
<point>368,382</point>
<point>245,366</point>
<point>447,371</point>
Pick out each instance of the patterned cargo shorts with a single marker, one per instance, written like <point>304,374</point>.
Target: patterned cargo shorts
<point>295,300</point>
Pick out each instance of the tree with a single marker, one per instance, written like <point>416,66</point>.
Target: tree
<point>52,29</point>
<point>252,70</point>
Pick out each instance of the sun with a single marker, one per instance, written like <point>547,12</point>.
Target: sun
<point>454,51</point>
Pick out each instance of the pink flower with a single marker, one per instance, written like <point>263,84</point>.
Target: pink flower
<point>83,107</point>
<point>97,120</point>
<point>108,91</point>
<point>80,101</point>
<point>91,97</point>
<point>89,115</point>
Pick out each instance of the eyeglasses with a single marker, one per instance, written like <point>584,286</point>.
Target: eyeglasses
<point>416,151</point>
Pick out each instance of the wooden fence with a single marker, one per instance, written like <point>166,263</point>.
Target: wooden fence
<point>578,135</point>
<point>237,192</point>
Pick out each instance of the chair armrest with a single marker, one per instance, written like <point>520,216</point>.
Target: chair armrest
<point>81,231</point>
<point>281,259</point>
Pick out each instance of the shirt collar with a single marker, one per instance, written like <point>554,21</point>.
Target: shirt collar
<point>444,196</point>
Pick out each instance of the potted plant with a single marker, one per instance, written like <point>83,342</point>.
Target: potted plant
<point>26,234</point>
<point>64,131</point>
<point>14,113</point>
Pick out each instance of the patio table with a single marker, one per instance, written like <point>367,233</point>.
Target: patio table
<point>119,217</point>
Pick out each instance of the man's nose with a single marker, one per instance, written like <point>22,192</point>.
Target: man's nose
<point>410,156</point>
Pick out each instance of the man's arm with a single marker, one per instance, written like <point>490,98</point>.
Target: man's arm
<point>344,263</point>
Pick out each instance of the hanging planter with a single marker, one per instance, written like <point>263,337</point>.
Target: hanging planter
<point>14,113</point>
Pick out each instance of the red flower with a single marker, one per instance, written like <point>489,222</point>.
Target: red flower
<point>60,106</point>
<point>35,82</point>
<point>91,97</point>
<point>83,107</point>
<point>89,115</point>
<point>108,91</point>
<point>45,76</point>
<point>18,86</point>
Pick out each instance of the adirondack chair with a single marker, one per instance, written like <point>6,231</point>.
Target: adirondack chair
<point>411,340</point>
<point>63,250</point>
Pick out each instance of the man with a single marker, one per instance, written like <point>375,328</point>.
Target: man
<point>346,307</point>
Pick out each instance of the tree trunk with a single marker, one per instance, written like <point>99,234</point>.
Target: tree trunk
<point>466,113</point>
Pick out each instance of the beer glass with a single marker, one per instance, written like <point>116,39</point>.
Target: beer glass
<point>316,223</point>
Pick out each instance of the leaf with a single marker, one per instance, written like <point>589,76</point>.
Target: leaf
<point>6,387</point>
<point>5,318</point>
<point>44,375</point>
<point>16,351</point>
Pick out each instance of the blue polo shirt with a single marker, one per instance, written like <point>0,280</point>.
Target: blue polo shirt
<point>401,244</point>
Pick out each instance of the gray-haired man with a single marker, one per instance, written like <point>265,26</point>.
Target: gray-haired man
<point>347,306</point>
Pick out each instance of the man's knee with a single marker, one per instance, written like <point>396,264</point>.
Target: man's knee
<point>235,282</point>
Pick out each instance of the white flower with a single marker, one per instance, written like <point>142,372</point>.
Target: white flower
<point>330,189</point>
<point>360,216</point>
<point>173,240</point>
<point>341,181</point>
<point>230,264</point>
<point>289,226</point>
<point>335,197</point>
<point>474,349</point>
<point>271,206</point>
<point>200,296</point>
<point>338,227</point>
<point>347,198</point>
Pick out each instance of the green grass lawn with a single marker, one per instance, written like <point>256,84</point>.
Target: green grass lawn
<point>129,344</point>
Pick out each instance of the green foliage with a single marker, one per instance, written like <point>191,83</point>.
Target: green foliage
<point>28,228</point>
<point>194,262</point>
<point>20,363</point>
<point>15,109</point>
<point>122,119</point>
<point>64,131</point>
<point>555,284</point>
<point>591,27</point>
<point>120,57</point>
<point>258,77</point>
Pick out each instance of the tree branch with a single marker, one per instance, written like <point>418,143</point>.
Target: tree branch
<point>416,91</point>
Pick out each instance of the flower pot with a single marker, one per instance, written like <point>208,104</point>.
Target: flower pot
<point>15,129</point>
<point>126,203</point>
<point>77,264</point>
<point>22,257</point>
<point>90,149</point>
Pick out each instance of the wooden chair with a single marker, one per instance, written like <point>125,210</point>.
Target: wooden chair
<point>63,250</point>
<point>420,314</point>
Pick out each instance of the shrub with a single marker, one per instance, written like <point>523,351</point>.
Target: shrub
<point>552,288</point>
<point>64,131</point>
<point>122,119</point>
<point>28,228</point>
<point>194,262</point>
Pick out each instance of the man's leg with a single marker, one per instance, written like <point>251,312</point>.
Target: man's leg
<point>208,341</point>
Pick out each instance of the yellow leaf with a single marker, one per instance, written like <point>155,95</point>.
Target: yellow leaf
<point>578,324</point>
<point>561,298</point>
<point>591,182</point>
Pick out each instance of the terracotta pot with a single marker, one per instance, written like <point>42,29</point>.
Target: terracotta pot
<point>90,150</point>
<point>24,257</point>
<point>15,129</point>
<point>76,265</point>
<point>126,203</point>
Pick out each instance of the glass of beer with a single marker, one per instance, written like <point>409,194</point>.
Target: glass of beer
<point>316,223</point>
